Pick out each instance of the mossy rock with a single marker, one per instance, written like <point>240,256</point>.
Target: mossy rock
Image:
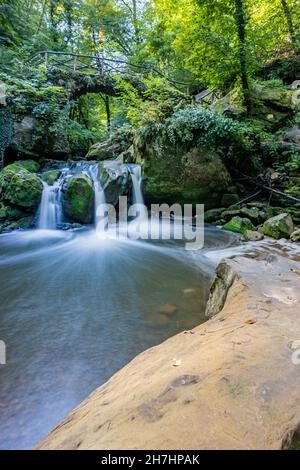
<point>29,165</point>
<point>78,199</point>
<point>253,236</point>
<point>213,215</point>
<point>239,225</point>
<point>20,187</point>
<point>295,237</point>
<point>251,213</point>
<point>9,212</point>
<point>280,226</point>
<point>50,176</point>
<point>229,199</point>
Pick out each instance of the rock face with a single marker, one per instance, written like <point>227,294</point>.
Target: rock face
<point>280,226</point>
<point>116,181</point>
<point>229,387</point>
<point>108,150</point>
<point>19,187</point>
<point>183,175</point>
<point>78,199</point>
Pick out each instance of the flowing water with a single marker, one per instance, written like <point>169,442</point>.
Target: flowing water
<point>75,308</point>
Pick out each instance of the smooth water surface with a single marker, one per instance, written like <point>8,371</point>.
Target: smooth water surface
<point>75,308</point>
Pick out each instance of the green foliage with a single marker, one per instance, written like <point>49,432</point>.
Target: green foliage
<point>205,127</point>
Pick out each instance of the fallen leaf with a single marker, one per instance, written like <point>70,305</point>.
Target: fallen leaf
<point>251,321</point>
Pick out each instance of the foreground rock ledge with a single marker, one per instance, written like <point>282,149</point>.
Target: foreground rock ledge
<point>234,387</point>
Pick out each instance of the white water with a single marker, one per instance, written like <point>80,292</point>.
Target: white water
<point>99,194</point>
<point>138,198</point>
<point>50,212</point>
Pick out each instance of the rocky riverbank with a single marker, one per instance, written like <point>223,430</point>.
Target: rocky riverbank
<point>231,383</point>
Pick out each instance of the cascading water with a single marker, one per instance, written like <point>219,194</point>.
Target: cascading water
<point>50,211</point>
<point>138,198</point>
<point>136,177</point>
<point>99,194</point>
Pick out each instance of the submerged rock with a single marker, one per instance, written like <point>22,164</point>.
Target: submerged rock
<point>20,187</point>
<point>239,224</point>
<point>78,199</point>
<point>280,226</point>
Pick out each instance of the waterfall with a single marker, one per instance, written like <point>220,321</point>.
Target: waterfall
<point>137,194</point>
<point>136,177</point>
<point>99,195</point>
<point>50,211</point>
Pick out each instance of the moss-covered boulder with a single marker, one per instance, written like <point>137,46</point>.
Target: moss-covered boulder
<point>20,187</point>
<point>229,200</point>
<point>29,165</point>
<point>213,215</point>
<point>280,226</point>
<point>50,176</point>
<point>239,225</point>
<point>9,212</point>
<point>108,150</point>
<point>184,175</point>
<point>78,199</point>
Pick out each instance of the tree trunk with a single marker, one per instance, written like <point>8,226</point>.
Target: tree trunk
<point>241,28</point>
<point>107,109</point>
<point>290,24</point>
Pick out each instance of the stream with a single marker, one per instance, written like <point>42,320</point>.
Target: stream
<point>75,308</point>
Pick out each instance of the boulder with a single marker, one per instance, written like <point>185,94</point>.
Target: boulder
<point>20,187</point>
<point>295,237</point>
<point>182,175</point>
<point>280,226</point>
<point>253,236</point>
<point>229,199</point>
<point>50,176</point>
<point>251,213</point>
<point>108,150</point>
<point>29,165</point>
<point>78,199</point>
<point>239,224</point>
<point>116,181</point>
<point>213,215</point>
